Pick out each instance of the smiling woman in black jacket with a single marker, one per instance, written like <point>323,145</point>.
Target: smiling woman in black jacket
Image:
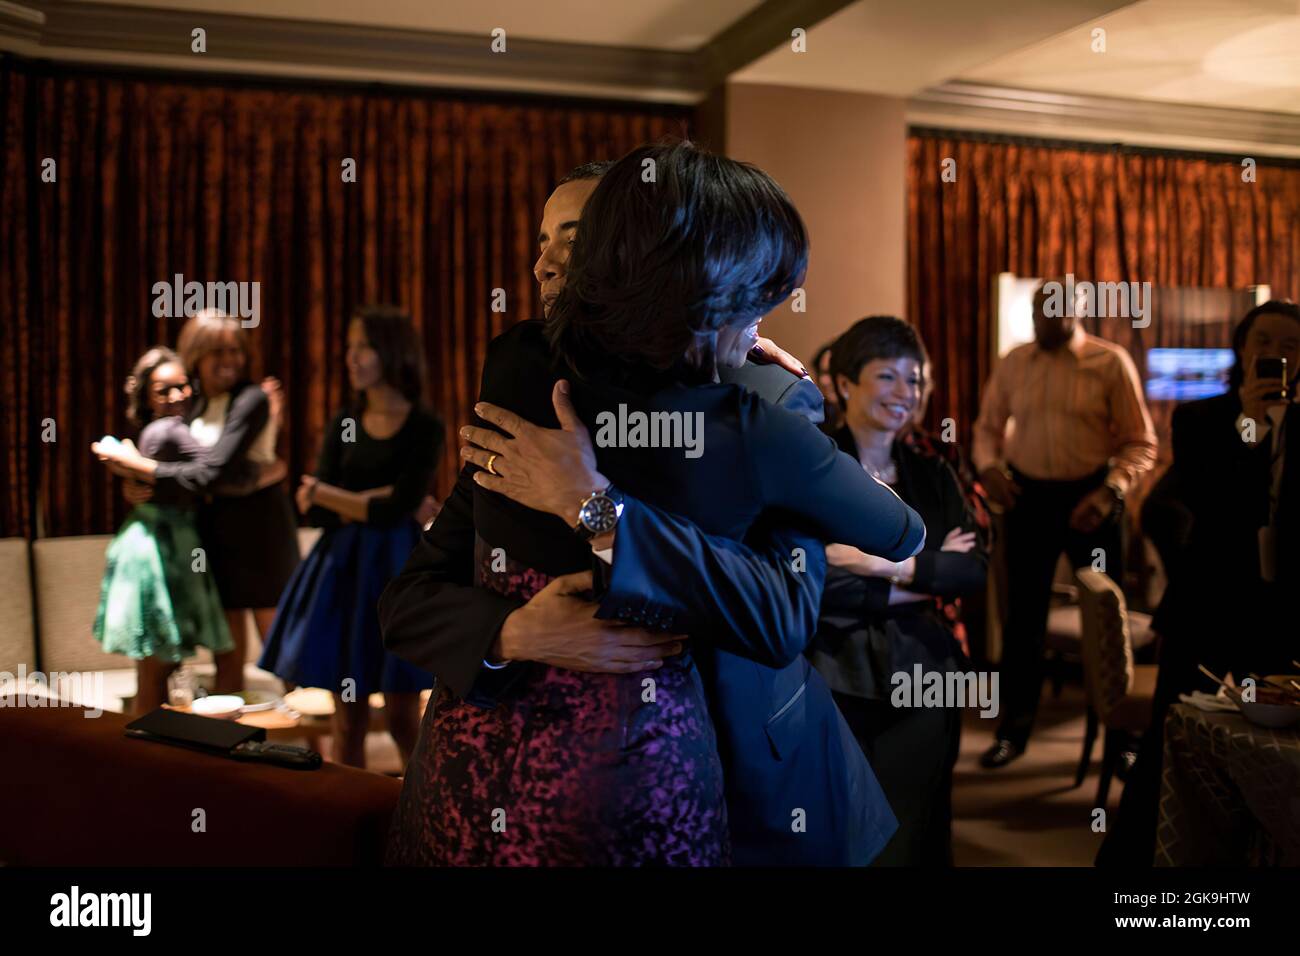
<point>881,618</point>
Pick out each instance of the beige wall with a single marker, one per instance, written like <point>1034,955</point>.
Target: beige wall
<point>841,157</point>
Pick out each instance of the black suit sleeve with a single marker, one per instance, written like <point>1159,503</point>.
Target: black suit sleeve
<point>223,462</point>
<point>432,615</point>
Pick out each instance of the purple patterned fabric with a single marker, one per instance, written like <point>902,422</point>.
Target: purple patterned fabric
<point>573,769</point>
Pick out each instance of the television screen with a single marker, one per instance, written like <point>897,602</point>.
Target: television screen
<point>1179,375</point>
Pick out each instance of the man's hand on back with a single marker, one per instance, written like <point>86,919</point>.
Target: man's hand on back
<point>558,626</point>
<point>547,469</point>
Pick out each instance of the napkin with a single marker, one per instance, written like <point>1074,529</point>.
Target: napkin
<point>1209,702</point>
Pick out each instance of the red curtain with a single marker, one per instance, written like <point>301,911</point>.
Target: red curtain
<point>1102,213</point>
<point>244,183</point>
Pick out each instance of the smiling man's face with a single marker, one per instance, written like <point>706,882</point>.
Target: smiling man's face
<point>555,237</point>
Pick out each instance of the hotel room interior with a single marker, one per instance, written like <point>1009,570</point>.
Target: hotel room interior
<point>945,155</point>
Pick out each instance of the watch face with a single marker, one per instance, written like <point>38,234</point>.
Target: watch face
<point>599,514</point>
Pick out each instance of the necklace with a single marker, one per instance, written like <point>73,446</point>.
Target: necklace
<point>885,474</point>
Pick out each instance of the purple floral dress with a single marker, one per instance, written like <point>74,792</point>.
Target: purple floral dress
<point>572,769</point>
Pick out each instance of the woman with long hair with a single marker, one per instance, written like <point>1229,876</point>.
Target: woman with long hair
<point>669,277</point>
<point>376,460</point>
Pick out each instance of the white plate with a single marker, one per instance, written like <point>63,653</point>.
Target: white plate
<point>256,701</point>
<point>217,705</point>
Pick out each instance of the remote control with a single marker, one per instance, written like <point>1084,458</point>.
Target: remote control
<point>285,755</point>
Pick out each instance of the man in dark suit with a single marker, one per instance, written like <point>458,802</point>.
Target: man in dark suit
<point>799,790</point>
<point>1233,481</point>
<point>1227,513</point>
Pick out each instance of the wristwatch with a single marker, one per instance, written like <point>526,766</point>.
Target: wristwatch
<point>599,513</point>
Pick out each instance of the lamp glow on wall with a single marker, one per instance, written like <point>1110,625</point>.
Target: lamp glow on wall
<point>1013,302</point>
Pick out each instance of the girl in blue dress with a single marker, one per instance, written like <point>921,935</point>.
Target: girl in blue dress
<point>376,461</point>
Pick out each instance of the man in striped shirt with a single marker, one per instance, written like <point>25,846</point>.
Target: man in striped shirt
<point>1062,435</point>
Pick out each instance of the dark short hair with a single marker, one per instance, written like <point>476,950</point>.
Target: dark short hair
<point>138,410</point>
<point>660,266</point>
<point>586,171</point>
<point>875,337</point>
<point>392,335</point>
<point>1283,307</point>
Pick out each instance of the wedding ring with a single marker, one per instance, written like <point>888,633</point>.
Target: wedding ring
<point>491,459</point>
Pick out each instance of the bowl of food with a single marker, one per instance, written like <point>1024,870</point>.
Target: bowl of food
<point>310,701</point>
<point>1273,706</point>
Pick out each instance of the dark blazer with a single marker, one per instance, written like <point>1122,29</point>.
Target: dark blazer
<point>1287,519</point>
<point>782,740</point>
<point>1217,610</point>
<point>791,763</point>
<point>861,639</point>
<point>778,387</point>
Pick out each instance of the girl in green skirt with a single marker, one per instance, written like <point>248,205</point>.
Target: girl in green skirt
<point>157,601</point>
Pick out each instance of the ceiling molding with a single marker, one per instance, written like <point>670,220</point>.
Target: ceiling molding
<point>122,35</point>
<point>151,37</point>
<point>20,21</point>
<point>965,105</point>
<point>758,33</point>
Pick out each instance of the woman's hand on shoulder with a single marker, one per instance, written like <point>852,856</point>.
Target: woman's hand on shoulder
<point>767,352</point>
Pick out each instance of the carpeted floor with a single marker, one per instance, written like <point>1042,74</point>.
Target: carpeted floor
<point>1026,814</point>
